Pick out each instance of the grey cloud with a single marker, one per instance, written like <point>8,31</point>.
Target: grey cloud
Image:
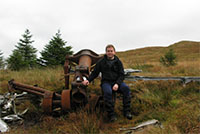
<point>92,24</point>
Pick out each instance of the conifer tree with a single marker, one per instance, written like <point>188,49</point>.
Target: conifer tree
<point>54,53</point>
<point>15,61</point>
<point>24,53</point>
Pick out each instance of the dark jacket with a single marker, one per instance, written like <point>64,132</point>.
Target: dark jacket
<point>112,72</point>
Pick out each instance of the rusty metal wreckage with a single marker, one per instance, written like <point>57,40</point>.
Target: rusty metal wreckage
<point>72,98</point>
<point>77,96</point>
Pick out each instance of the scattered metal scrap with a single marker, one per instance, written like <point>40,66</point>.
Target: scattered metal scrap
<point>8,111</point>
<point>183,79</point>
<point>3,126</point>
<point>128,71</point>
<point>142,126</point>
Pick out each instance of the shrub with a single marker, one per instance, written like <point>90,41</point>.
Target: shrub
<point>168,59</point>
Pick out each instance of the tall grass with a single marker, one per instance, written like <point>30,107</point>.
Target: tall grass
<point>47,78</point>
<point>84,122</point>
<point>189,68</point>
<point>175,105</point>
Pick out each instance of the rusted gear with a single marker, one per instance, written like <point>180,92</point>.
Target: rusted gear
<point>65,100</point>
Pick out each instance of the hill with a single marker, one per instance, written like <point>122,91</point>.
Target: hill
<point>184,50</point>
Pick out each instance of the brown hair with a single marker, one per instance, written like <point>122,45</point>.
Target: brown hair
<point>110,45</point>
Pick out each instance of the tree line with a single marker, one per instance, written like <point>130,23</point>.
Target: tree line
<point>24,55</point>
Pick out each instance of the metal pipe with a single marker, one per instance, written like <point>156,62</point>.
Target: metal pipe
<point>30,89</point>
<point>40,90</point>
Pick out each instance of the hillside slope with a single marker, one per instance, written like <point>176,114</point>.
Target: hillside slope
<point>184,50</point>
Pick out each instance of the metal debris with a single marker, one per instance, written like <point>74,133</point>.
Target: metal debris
<point>8,112</point>
<point>69,99</point>
<point>128,71</point>
<point>143,125</point>
<point>3,126</point>
<point>184,79</point>
<point>12,117</point>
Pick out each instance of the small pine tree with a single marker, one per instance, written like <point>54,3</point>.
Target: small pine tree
<point>54,53</point>
<point>24,53</point>
<point>1,60</point>
<point>168,59</point>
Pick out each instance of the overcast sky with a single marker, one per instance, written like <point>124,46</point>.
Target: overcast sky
<point>92,24</point>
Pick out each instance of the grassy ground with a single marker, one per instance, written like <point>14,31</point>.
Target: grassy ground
<point>174,104</point>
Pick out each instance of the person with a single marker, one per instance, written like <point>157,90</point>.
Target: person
<point>112,81</point>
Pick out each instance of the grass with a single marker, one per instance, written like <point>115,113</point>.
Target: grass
<point>175,105</point>
<point>183,68</point>
<point>168,102</point>
<point>48,78</point>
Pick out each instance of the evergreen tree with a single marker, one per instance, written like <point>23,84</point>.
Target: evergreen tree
<point>54,53</point>
<point>1,60</point>
<point>169,58</point>
<point>15,61</point>
<point>24,53</point>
